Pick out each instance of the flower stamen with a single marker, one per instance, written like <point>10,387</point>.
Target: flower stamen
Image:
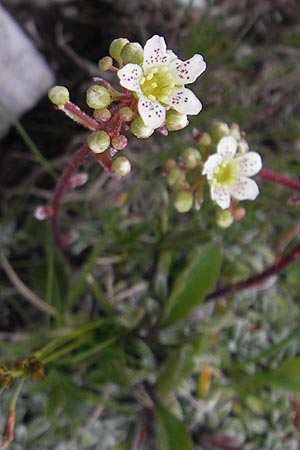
<point>157,84</point>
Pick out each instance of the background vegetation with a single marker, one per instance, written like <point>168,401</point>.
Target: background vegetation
<point>135,358</point>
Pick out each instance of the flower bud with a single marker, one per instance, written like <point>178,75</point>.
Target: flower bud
<point>97,97</point>
<point>121,166</point>
<point>126,114</point>
<point>59,95</point>
<point>239,213</point>
<point>234,130</point>
<point>183,201</point>
<point>116,47</point>
<point>99,141</point>
<point>77,180</point>
<point>175,177</point>
<point>204,140</point>
<point>219,130</point>
<point>119,142</point>
<point>170,164</point>
<point>102,114</point>
<point>105,63</point>
<point>242,147</point>
<point>224,218</point>
<point>191,157</point>
<point>133,53</point>
<point>139,129</point>
<point>175,120</point>
<point>43,212</point>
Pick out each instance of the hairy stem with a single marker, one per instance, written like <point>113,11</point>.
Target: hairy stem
<point>280,179</point>
<point>281,262</point>
<point>60,188</point>
<point>259,279</point>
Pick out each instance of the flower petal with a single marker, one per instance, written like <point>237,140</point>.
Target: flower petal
<point>220,196</point>
<point>152,113</point>
<point>211,164</point>
<point>185,101</point>
<point>244,189</point>
<point>186,72</point>
<point>227,147</point>
<point>130,77</point>
<point>155,52</point>
<point>250,164</point>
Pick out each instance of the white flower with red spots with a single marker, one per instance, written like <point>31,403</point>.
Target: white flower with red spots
<point>159,82</point>
<point>228,172</point>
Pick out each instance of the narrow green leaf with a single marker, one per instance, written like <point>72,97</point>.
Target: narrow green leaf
<point>79,286</point>
<point>178,365</point>
<point>170,432</point>
<point>194,282</point>
<point>286,376</point>
<point>28,141</point>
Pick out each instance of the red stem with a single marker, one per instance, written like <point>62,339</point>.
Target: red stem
<point>279,265</point>
<point>257,280</point>
<point>280,179</point>
<point>72,110</point>
<point>60,188</point>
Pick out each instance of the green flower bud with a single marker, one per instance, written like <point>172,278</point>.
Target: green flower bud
<point>126,114</point>
<point>170,164</point>
<point>191,157</point>
<point>102,115</point>
<point>224,218</point>
<point>97,97</point>
<point>139,129</point>
<point>105,63</point>
<point>183,201</point>
<point>121,166</point>
<point>242,147</point>
<point>204,140</point>
<point>99,141</point>
<point>132,53</point>
<point>175,177</point>
<point>119,142</point>
<point>219,130</point>
<point>175,120</point>
<point>116,47</point>
<point>59,95</point>
<point>234,130</point>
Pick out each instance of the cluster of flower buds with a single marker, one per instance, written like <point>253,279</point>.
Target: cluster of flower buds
<point>222,158</point>
<point>151,96</point>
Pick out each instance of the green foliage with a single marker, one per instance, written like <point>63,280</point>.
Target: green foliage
<point>193,283</point>
<point>171,433</point>
<point>133,337</point>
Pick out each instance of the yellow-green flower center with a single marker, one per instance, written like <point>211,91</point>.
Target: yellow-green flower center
<point>225,174</point>
<point>157,84</point>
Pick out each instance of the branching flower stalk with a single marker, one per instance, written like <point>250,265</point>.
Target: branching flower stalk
<point>152,97</point>
<point>261,279</point>
<point>227,172</point>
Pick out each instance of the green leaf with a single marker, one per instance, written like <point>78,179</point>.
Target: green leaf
<point>170,432</point>
<point>178,365</point>
<point>286,376</point>
<point>194,282</point>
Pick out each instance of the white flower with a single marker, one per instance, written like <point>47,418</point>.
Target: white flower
<point>228,173</point>
<point>159,82</point>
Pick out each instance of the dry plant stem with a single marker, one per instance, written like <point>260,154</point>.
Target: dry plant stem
<point>34,299</point>
<point>281,263</point>
<point>60,188</point>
